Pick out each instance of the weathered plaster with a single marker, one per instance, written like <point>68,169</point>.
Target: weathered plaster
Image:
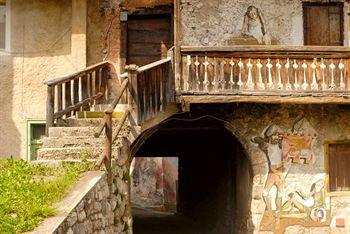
<point>325,122</point>
<point>219,23</point>
<point>41,35</point>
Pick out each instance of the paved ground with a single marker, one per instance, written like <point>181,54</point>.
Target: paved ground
<point>147,221</point>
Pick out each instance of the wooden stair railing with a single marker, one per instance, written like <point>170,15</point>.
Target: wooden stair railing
<point>148,90</point>
<point>75,92</point>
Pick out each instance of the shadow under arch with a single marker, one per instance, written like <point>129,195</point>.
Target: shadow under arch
<point>215,176</point>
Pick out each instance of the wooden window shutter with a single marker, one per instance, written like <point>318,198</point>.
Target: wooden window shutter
<point>339,165</point>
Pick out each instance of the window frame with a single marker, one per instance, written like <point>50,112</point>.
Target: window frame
<point>7,48</point>
<point>326,167</point>
<point>342,20</point>
<point>30,123</point>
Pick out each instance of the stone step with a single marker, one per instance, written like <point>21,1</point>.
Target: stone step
<point>97,114</point>
<point>83,122</point>
<point>78,141</point>
<point>80,131</point>
<point>73,153</point>
<point>69,142</point>
<point>72,131</point>
<point>102,107</point>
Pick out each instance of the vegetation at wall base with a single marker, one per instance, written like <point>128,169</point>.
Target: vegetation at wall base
<point>27,192</point>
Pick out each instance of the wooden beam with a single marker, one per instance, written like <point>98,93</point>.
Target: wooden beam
<point>197,99</point>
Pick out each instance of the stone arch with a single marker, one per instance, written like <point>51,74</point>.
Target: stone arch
<point>208,121</point>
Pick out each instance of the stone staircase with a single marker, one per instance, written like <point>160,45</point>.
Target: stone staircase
<point>73,140</point>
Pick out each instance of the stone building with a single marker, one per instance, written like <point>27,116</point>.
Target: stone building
<point>251,97</point>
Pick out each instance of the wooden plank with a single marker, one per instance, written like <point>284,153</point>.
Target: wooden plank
<point>68,99</point>
<point>76,89</point>
<point>149,36</point>
<point>84,87</point>
<point>157,88</point>
<point>263,99</point>
<point>273,49</point>
<point>153,76</point>
<point>150,24</point>
<point>59,97</point>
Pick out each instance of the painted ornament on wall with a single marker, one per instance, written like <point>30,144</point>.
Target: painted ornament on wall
<point>254,25</point>
<point>298,205</point>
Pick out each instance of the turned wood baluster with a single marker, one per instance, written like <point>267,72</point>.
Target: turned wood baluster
<point>296,78</point>
<point>332,84</point>
<point>261,85</point>
<point>314,85</point>
<point>288,84</point>
<point>188,80</point>
<point>269,66</point>
<point>232,77</point>
<point>216,78</point>
<point>341,71</point>
<point>279,66</point>
<point>305,84</point>
<point>323,69</point>
<point>222,80</point>
<point>206,82</point>
<point>198,80</point>
<point>250,83</point>
<point>240,66</point>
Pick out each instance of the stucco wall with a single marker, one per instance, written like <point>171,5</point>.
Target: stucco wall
<point>218,22</point>
<point>322,123</point>
<point>41,49</point>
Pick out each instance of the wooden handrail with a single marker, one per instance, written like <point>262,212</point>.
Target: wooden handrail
<point>152,65</point>
<point>118,97</point>
<point>268,49</point>
<point>69,77</point>
<point>120,125</point>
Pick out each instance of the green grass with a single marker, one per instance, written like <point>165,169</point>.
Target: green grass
<point>28,192</point>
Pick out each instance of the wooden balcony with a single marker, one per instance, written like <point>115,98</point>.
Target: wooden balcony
<point>270,74</point>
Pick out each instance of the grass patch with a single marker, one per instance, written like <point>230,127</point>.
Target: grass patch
<point>28,192</point>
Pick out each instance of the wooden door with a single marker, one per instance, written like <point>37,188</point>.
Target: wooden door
<point>149,38</point>
<point>323,24</point>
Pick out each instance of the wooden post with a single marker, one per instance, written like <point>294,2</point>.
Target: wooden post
<point>49,108</point>
<point>108,146</point>
<point>135,92</point>
<point>104,83</point>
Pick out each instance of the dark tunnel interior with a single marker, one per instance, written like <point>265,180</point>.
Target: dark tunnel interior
<point>214,184</point>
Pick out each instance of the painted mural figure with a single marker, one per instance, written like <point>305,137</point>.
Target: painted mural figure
<point>310,206</point>
<point>254,25</point>
<point>271,145</point>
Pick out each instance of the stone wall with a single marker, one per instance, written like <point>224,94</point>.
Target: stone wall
<point>98,211</point>
<point>254,125</point>
<point>219,22</point>
<point>91,207</point>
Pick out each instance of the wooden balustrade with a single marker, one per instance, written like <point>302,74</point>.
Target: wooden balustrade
<point>150,88</point>
<point>266,70</point>
<point>75,92</point>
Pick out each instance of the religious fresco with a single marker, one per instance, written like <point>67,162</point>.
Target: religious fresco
<point>299,203</point>
<point>254,25</point>
<point>153,183</point>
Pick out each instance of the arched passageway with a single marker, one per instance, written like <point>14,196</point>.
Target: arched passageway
<point>214,180</point>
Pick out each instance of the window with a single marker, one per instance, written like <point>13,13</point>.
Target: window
<point>2,24</point>
<point>323,24</point>
<point>337,165</point>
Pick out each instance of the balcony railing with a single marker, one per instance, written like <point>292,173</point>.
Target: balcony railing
<point>265,70</point>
